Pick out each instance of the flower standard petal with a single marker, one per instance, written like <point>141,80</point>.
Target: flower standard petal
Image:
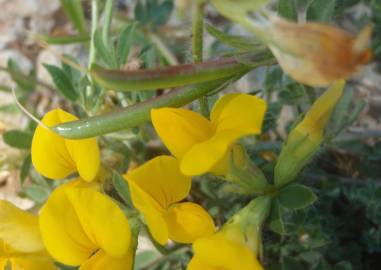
<point>197,264</point>
<point>151,210</point>
<point>15,222</point>
<point>62,232</point>
<point>188,222</point>
<point>222,253</point>
<point>162,180</point>
<point>35,262</point>
<point>180,129</point>
<point>233,116</point>
<point>240,112</point>
<point>50,156</point>
<point>102,220</point>
<point>205,157</point>
<point>56,157</point>
<point>103,261</point>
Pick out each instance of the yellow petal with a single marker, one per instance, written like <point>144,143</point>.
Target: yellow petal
<point>318,115</point>
<point>180,129</point>
<point>162,180</point>
<point>188,222</point>
<point>3,264</point>
<point>197,264</point>
<point>62,232</point>
<point>102,220</point>
<point>220,105</point>
<point>240,112</point>
<point>50,156</point>
<point>324,55</point>
<point>15,223</point>
<point>56,157</point>
<point>210,156</point>
<point>86,156</point>
<point>219,252</point>
<point>103,261</point>
<point>151,210</point>
<point>34,262</point>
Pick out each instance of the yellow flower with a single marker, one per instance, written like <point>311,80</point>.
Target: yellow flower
<point>56,158</point>
<point>305,139</point>
<point>225,250</point>
<point>317,54</point>
<point>202,145</point>
<point>82,227</point>
<point>236,245</point>
<point>156,188</point>
<point>20,241</point>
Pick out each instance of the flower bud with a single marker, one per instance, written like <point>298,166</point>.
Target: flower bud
<point>247,223</point>
<point>305,139</point>
<point>243,172</point>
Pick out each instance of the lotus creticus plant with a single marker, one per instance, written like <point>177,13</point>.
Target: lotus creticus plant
<point>305,139</point>
<point>202,145</point>
<point>56,157</point>
<point>156,188</point>
<point>83,227</point>
<point>21,246</point>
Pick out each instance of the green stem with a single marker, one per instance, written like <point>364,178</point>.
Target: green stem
<point>94,24</point>
<point>107,21</point>
<point>134,115</point>
<point>197,46</point>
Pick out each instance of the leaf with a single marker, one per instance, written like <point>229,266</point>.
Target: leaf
<point>9,108</point>
<point>321,10</point>
<point>238,42</point>
<point>25,82</point>
<point>153,12</point>
<point>287,9</point>
<point>296,196</point>
<point>340,113</point>
<point>344,265</point>
<point>65,39</point>
<point>72,73</point>
<point>125,42</point>
<point>4,88</point>
<point>74,10</point>
<point>122,188</point>
<point>276,221</point>
<point>359,107</point>
<point>37,193</point>
<point>18,138</point>
<point>62,82</point>
<point>104,51</point>
<point>25,168</point>
<point>144,258</point>
<point>289,263</point>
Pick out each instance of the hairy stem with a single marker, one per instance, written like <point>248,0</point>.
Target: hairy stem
<point>197,46</point>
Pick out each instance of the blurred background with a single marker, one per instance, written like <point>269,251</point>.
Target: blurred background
<point>341,231</point>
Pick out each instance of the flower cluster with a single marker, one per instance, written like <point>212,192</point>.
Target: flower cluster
<point>81,226</point>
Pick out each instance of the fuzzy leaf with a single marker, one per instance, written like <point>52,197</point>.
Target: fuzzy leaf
<point>62,82</point>
<point>18,138</point>
<point>296,196</point>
